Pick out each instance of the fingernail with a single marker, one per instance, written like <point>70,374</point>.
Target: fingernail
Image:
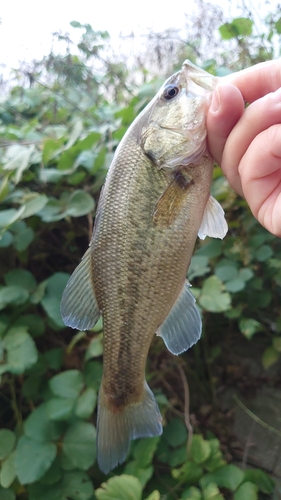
<point>215,105</point>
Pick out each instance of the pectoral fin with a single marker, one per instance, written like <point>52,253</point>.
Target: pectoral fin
<point>170,203</point>
<point>79,308</point>
<point>213,223</point>
<point>182,327</point>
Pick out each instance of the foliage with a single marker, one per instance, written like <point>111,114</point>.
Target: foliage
<point>56,142</point>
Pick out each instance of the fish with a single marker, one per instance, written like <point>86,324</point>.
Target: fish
<point>155,201</point>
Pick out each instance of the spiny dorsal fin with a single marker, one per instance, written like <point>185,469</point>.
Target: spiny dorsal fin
<point>79,308</point>
<point>213,223</point>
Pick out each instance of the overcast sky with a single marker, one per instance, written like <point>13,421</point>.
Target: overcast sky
<point>27,25</point>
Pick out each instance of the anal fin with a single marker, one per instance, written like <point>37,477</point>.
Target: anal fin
<point>182,327</point>
<point>213,223</point>
<point>79,308</point>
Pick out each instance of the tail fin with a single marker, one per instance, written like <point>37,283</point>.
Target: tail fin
<point>115,430</point>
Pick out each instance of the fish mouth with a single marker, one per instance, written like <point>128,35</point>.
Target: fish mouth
<point>198,81</point>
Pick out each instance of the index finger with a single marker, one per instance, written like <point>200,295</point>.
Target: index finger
<point>257,81</point>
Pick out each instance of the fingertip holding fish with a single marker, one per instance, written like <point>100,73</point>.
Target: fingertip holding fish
<point>155,201</point>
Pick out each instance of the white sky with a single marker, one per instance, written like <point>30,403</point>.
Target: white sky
<point>27,25</point>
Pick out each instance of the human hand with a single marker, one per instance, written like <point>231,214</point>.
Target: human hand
<point>247,143</point>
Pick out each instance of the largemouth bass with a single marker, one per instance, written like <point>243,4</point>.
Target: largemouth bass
<point>155,201</point>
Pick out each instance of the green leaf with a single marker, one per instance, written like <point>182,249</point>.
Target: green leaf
<point>198,266</point>
<point>21,350</point>
<point>23,239</point>
<point>190,472</point>
<point>54,474</point>
<point>144,451</point>
<point>244,26</point>
<point>7,494</point>
<point>34,324</point>
<point>8,472</point>
<point>247,491</point>
<point>7,442</point>
<point>75,485</point>
<point>6,239</point>
<point>79,444</point>
<point>52,147</point>
<point>212,297</point>
<point>175,432</point>
<point>143,474</point>
<point>21,277</point>
<point>52,298</point>
<point>8,217</point>
<point>155,495</point>
<point>210,248</point>
<point>249,326</point>
<point>86,403</point>
<point>240,26</point>
<point>277,26</point>
<point>263,253</point>
<point>276,344</point>
<point>269,357</point>
<point>13,295</point>
<point>200,449</point>
<point>34,206</point>
<point>93,374</point>
<point>39,454</point>
<point>19,159</point>
<point>228,31</point>
<point>262,480</point>
<point>212,493</point>
<point>60,408</point>
<point>80,203</point>
<point>226,270</point>
<point>234,286</point>
<point>124,486</point>
<point>228,476</point>
<point>39,427</point>
<point>67,384</point>
<point>74,133</point>
<point>192,494</point>
<point>95,348</point>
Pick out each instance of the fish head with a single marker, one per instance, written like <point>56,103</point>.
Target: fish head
<point>173,132</point>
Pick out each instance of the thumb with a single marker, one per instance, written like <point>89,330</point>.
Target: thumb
<point>227,106</point>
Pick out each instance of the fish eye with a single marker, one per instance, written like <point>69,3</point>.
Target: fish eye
<point>170,92</point>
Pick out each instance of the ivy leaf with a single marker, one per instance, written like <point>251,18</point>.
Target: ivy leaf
<point>39,454</point>
<point>246,490</point>
<point>124,486</point>
<point>79,444</point>
<point>212,297</point>
<point>8,472</point>
<point>269,357</point>
<point>86,403</point>
<point>21,277</point>
<point>228,476</point>
<point>21,350</point>
<point>52,298</point>
<point>7,494</point>
<point>200,449</point>
<point>249,326</point>
<point>39,427</point>
<point>7,442</point>
<point>67,384</point>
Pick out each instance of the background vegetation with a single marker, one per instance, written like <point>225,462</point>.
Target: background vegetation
<point>60,123</point>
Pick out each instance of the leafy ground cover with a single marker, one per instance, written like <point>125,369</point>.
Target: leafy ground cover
<point>56,143</point>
